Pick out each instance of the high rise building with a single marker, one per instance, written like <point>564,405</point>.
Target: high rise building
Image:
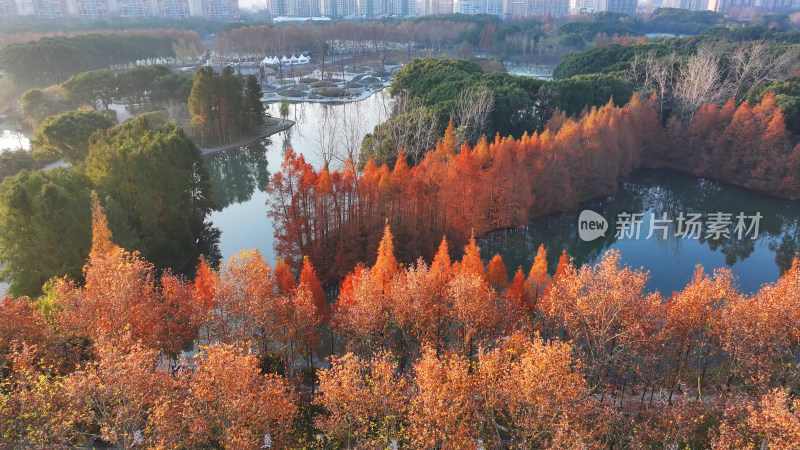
<point>723,6</point>
<point>295,8</point>
<point>524,8</point>
<point>429,7</point>
<point>47,9</point>
<point>592,6</point>
<point>277,8</point>
<point>516,8</point>
<point>89,9</point>
<point>584,6</point>
<point>692,5</point>
<point>777,5</point>
<point>370,8</point>
<point>219,9</point>
<point>133,8</point>
<point>339,8</point>
<point>555,8</point>
<point>400,8</point>
<point>173,9</point>
<point>621,6</point>
<point>8,8</point>
<point>478,7</point>
<point>98,9</point>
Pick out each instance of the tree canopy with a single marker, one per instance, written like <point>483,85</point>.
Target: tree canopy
<point>151,179</point>
<point>67,135</point>
<point>45,227</point>
<point>225,106</point>
<point>52,60</point>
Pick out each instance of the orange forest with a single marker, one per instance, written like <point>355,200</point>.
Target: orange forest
<point>440,355</point>
<point>336,217</point>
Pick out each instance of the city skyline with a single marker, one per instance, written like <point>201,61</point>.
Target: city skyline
<point>99,9</point>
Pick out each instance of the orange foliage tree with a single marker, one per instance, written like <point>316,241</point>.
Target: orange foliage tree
<point>606,312</point>
<point>366,401</point>
<point>224,399</point>
<point>117,390</point>
<point>33,406</point>
<point>122,295</point>
<point>251,309</point>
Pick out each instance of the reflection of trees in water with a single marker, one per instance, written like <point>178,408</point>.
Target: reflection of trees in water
<point>675,193</point>
<point>286,142</point>
<point>208,245</point>
<point>787,245</point>
<point>331,132</point>
<point>658,192</point>
<point>299,112</point>
<point>236,174</point>
<point>735,250</point>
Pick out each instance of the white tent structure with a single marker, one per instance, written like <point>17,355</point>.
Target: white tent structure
<point>302,59</point>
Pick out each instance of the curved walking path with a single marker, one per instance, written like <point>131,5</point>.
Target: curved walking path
<point>283,124</point>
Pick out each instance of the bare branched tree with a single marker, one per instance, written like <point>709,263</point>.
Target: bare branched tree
<point>326,133</point>
<point>700,82</point>
<point>664,76</point>
<point>471,112</point>
<point>754,63</point>
<point>702,79</point>
<point>658,75</point>
<point>413,127</point>
<point>352,130</point>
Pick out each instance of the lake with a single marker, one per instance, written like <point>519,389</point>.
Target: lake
<point>240,176</point>
<point>10,139</point>
<point>670,259</point>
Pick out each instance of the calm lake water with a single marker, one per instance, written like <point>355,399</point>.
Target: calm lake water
<point>13,140</point>
<point>671,261</point>
<point>239,178</point>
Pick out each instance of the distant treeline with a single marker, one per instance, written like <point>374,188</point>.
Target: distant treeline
<point>617,58</point>
<point>535,35</point>
<point>23,29</point>
<point>52,60</point>
<point>269,39</point>
<point>542,38</point>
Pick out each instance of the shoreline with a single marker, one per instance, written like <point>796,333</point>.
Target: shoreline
<point>282,125</point>
<point>335,100</point>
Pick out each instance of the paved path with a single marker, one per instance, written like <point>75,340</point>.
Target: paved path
<point>283,124</point>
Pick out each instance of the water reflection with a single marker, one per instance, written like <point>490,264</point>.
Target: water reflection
<point>10,139</point>
<point>286,141</point>
<point>672,260</point>
<point>236,174</point>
